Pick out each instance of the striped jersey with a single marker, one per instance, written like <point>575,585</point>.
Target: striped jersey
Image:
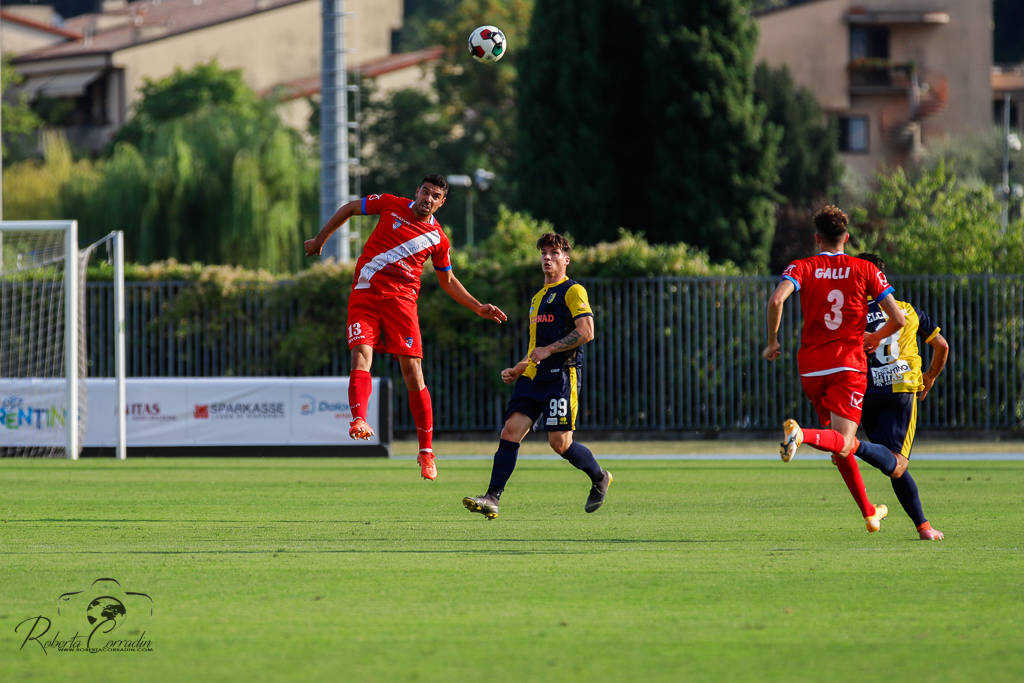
<point>393,256</point>
<point>553,313</point>
<point>895,366</point>
<point>834,291</point>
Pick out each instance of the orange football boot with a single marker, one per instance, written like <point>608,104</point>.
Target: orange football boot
<point>427,467</point>
<point>874,522</point>
<point>358,429</point>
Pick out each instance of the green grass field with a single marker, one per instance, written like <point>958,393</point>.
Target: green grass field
<point>352,570</point>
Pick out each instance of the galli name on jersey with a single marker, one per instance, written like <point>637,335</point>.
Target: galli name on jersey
<point>832,273</point>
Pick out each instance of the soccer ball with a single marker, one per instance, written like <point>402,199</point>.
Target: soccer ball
<point>487,44</point>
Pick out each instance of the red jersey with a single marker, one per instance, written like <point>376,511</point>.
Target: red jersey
<point>393,256</point>
<point>834,294</point>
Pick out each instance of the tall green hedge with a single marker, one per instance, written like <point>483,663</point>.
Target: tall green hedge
<point>504,270</point>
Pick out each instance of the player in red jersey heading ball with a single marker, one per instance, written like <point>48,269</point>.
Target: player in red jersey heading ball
<point>834,292</point>
<point>382,313</point>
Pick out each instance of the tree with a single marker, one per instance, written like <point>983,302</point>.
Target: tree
<point>714,155</point>
<point>185,92</point>
<point>224,182</point>
<point>465,120</point>
<point>32,187</point>
<point>975,158</point>
<point>19,122</point>
<point>809,163</point>
<point>416,33</point>
<point>936,223</point>
<point>648,122</point>
<point>407,143</point>
<point>566,109</point>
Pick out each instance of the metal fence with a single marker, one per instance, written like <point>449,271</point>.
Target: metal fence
<point>671,354</point>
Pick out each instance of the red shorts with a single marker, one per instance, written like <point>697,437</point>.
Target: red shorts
<point>389,325</point>
<point>841,393</point>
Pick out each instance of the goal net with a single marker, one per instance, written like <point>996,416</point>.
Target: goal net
<point>43,343</point>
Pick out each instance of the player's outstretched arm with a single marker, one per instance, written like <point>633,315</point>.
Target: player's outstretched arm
<point>940,352</point>
<point>315,246</point>
<point>455,290</point>
<point>776,302</point>
<point>893,325</point>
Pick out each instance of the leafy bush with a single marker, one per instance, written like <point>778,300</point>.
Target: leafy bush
<point>32,188</point>
<point>938,224</point>
<point>504,270</point>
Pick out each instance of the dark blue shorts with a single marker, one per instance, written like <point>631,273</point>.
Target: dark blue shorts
<point>552,403</point>
<point>891,420</point>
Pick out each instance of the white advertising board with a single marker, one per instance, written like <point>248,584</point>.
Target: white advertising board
<point>258,411</point>
<point>32,412</point>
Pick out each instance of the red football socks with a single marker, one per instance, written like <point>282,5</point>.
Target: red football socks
<point>851,475</point>
<point>828,440</point>
<point>359,387</point>
<point>423,415</point>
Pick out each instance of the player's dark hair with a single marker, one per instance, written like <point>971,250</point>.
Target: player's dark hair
<point>831,222</point>
<point>437,180</point>
<point>873,258</point>
<point>553,240</point>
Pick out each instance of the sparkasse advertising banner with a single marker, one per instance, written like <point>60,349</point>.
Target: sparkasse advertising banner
<point>243,411</point>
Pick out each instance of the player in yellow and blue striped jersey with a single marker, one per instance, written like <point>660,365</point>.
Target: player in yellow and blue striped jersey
<point>895,384</point>
<point>547,380</point>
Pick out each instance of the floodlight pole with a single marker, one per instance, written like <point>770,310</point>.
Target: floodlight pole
<point>336,162</point>
<point>462,180</point>
<point>1,148</point>
<point>469,215</point>
<point>1006,160</point>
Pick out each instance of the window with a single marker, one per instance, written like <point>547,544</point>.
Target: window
<point>869,56</point>
<point>869,42</point>
<point>853,134</point>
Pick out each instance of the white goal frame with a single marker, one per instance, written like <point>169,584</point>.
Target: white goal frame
<point>72,318</point>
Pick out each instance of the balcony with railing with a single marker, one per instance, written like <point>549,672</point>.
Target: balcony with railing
<point>879,76</point>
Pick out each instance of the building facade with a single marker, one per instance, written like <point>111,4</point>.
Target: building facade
<point>895,74</point>
<point>25,28</point>
<point>107,57</point>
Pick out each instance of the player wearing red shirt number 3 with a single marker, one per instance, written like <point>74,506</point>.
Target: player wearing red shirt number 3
<point>835,289</point>
<point>382,314</point>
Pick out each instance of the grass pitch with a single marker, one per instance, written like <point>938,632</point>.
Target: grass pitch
<point>353,570</point>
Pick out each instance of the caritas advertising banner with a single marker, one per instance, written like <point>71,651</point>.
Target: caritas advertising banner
<point>273,411</point>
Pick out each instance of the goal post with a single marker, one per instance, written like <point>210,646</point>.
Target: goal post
<point>43,360</point>
<point>114,242</point>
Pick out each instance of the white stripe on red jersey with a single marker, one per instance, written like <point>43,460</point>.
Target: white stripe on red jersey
<point>392,259</point>
<point>403,250</point>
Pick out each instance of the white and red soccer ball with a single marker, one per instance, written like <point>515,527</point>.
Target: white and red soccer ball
<point>487,44</point>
